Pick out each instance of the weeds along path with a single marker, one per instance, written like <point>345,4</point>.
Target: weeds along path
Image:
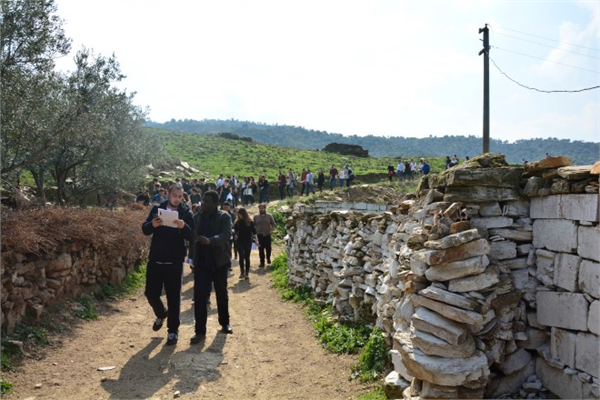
<point>272,354</point>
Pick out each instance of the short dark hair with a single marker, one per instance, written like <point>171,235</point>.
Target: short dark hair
<point>213,195</point>
<point>226,203</point>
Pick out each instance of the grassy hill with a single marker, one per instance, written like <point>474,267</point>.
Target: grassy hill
<point>212,155</point>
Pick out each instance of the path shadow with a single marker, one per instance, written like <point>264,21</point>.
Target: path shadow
<point>196,364</point>
<point>143,375</point>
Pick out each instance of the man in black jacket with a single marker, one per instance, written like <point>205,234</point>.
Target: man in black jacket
<point>165,262</point>
<point>212,259</point>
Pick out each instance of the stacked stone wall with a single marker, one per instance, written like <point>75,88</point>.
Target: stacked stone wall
<point>30,282</point>
<point>479,292</point>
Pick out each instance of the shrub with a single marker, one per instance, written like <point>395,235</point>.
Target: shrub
<point>373,358</point>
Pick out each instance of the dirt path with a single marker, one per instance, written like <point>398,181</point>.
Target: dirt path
<point>272,354</point>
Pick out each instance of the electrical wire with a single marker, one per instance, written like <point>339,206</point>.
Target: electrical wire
<point>545,45</point>
<point>543,59</point>
<point>540,90</point>
<point>545,38</point>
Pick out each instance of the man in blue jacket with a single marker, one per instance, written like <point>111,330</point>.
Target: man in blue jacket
<point>165,262</point>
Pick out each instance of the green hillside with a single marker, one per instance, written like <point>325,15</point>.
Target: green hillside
<point>212,155</point>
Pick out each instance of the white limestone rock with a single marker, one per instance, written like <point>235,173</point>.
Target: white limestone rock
<point>458,269</point>
<point>476,282</point>
<point>449,330</point>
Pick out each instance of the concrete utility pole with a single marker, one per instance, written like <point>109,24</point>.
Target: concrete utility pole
<point>486,88</point>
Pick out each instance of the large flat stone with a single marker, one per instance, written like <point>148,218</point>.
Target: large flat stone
<point>575,172</point>
<point>475,282</point>
<point>588,357</point>
<point>589,237</point>
<point>516,234</point>
<point>562,346</point>
<point>429,321</point>
<point>555,235</point>
<point>564,385</point>
<point>503,250</point>
<point>502,177</point>
<point>457,269</point>
<point>548,163</point>
<point>577,207</point>
<point>491,222</point>
<point>472,249</point>
<point>454,299</point>
<point>444,371</point>
<point>566,269</point>
<point>562,310</point>
<point>517,208</point>
<point>448,311</point>
<point>515,361</point>
<point>434,346</point>
<point>480,194</point>
<point>535,339</point>
<point>515,263</point>
<point>456,239</point>
<point>589,278</point>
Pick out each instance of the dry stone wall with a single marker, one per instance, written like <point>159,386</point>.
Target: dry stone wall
<point>479,291</point>
<point>30,282</point>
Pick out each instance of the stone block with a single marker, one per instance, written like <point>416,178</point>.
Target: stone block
<point>566,269</point>
<point>457,269</point>
<point>434,346</point>
<point>589,278</point>
<point>562,310</point>
<point>589,242</point>
<point>518,234</point>
<point>580,207</point>
<point>515,361</point>
<point>594,318</point>
<point>564,385</point>
<point>555,235</point>
<point>472,249</point>
<point>399,365</point>
<point>503,250</point>
<point>518,208</point>
<point>588,353</point>
<point>475,282</point>
<point>394,385</point>
<point>563,346</point>
<point>491,222</point>
<point>480,194</point>
<point>547,207</point>
<point>515,263</point>
<point>429,321</point>
<point>454,299</point>
<point>490,209</point>
<point>448,311</point>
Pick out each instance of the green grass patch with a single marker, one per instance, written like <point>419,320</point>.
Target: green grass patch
<point>86,310</point>
<point>280,231</point>
<point>373,358</point>
<point>376,394</point>
<point>5,386</point>
<point>133,281</point>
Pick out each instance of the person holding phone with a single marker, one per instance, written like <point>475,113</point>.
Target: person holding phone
<point>165,262</point>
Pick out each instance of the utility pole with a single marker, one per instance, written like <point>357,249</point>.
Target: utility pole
<point>486,88</point>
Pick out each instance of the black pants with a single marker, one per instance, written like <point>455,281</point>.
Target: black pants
<point>265,246</point>
<point>244,249</point>
<point>203,281</point>
<point>170,276</point>
<point>281,192</point>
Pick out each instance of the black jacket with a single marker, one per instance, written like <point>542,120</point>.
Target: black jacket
<point>220,224</point>
<point>168,244</point>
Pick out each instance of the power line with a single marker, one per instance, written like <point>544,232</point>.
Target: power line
<point>545,38</point>
<point>545,45</point>
<point>543,59</point>
<point>539,90</point>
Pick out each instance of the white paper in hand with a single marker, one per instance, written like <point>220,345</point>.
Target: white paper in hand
<point>168,217</point>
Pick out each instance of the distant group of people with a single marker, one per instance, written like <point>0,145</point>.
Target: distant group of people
<point>408,169</point>
<point>205,236</point>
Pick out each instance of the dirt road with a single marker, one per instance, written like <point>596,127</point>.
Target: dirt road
<point>272,354</point>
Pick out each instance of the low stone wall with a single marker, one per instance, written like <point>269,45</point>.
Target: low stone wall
<point>31,282</point>
<point>468,287</point>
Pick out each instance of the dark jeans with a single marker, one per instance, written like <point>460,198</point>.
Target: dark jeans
<point>265,245</point>
<point>244,249</point>
<point>170,276</point>
<point>281,192</point>
<point>203,281</point>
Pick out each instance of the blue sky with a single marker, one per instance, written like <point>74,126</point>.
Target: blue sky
<point>386,68</point>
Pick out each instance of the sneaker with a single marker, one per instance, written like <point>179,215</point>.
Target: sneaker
<point>159,323</point>
<point>261,265</point>
<point>171,339</point>
<point>242,276</point>
<point>246,277</point>
<point>197,338</point>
